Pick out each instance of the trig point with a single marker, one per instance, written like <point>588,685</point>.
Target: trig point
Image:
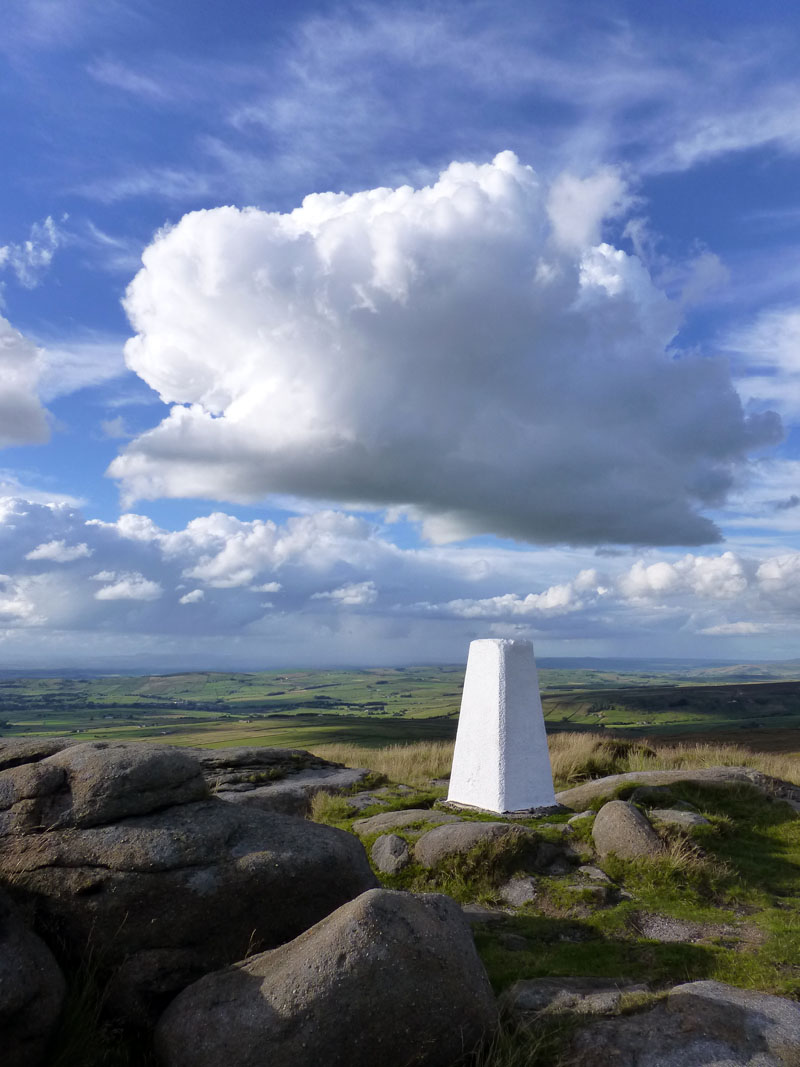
<point>501,762</point>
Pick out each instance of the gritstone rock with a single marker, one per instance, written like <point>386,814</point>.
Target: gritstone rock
<point>701,1023</point>
<point>579,796</point>
<point>390,978</point>
<point>518,891</point>
<point>117,852</point>
<point>273,779</point>
<point>455,839</point>
<point>31,991</point>
<point>621,828</point>
<point>390,854</point>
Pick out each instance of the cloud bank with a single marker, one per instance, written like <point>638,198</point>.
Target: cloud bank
<point>472,352</point>
<point>278,593</point>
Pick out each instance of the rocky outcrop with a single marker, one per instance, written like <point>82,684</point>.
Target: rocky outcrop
<point>274,779</point>
<point>390,978</point>
<point>118,850</point>
<point>31,991</point>
<point>699,1023</point>
<point>622,829</point>
<point>581,796</point>
<point>95,784</point>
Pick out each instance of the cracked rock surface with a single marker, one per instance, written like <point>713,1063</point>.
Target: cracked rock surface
<point>118,849</point>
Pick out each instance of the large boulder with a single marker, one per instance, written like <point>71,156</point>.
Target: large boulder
<point>621,828</point>
<point>581,796</point>
<point>456,839</point>
<point>96,783</point>
<point>160,892</point>
<point>31,991</point>
<point>390,978</point>
<point>700,1023</point>
<point>274,779</point>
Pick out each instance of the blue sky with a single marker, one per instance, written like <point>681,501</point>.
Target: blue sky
<point>347,333</point>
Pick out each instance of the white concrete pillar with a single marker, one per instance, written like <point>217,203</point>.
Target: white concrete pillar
<point>501,761</point>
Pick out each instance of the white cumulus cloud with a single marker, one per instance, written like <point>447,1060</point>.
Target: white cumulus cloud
<point>355,595</point>
<point>59,552</point>
<point>193,597</point>
<point>131,586</point>
<point>471,352</point>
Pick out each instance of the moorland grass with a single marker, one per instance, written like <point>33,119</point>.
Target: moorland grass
<point>575,757</point>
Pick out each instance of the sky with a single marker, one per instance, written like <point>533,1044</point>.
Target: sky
<point>341,333</point>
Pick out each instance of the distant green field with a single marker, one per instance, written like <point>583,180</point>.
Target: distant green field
<point>381,706</point>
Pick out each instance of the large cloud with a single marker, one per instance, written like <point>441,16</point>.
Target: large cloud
<point>470,351</point>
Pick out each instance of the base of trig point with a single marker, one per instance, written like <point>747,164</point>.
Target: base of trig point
<point>501,763</point>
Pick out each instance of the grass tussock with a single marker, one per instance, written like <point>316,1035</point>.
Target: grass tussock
<point>519,1046</point>
<point>330,808</point>
<point>575,757</point>
<point>414,764</point>
<point>84,1038</point>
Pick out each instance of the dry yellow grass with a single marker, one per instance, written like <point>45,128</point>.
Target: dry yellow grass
<point>412,764</point>
<point>574,758</point>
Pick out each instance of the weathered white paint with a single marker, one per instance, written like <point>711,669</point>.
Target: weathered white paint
<point>501,762</point>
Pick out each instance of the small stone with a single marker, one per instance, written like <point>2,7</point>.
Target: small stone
<point>581,815</point>
<point>390,854</point>
<point>594,873</point>
<point>518,891</point>
<point>621,828</point>
<point>479,913</point>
